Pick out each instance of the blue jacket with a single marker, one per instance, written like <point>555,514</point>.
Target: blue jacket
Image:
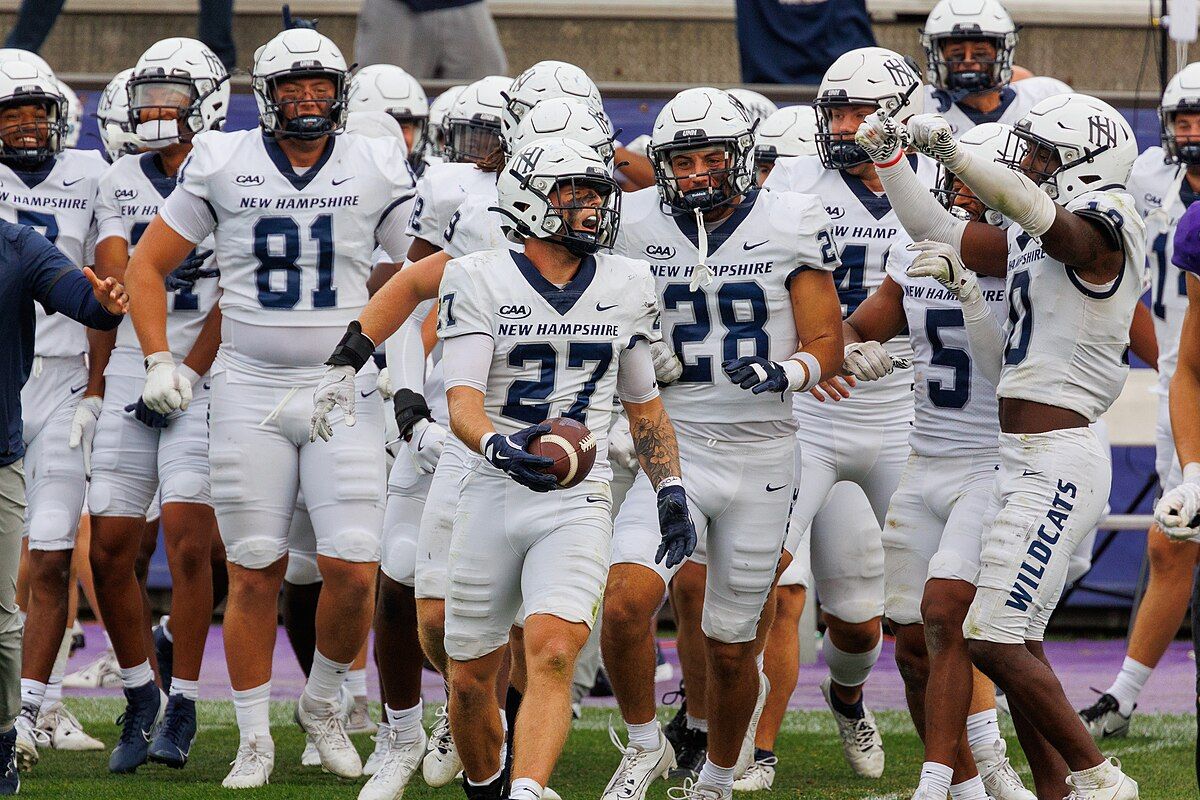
<point>32,269</point>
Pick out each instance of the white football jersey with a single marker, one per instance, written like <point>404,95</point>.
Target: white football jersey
<point>59,203</point>
<point>866,230</point>
<point>473,227</point>
<point>747,308</point>
<point>955,410</point>
<point>556,350</point>
<point>130,193</point>
<point>440,191</point>
<point>1162,194</point>
<point>1015,101</point>
<point>1068,341</point>
<point>295,250</point>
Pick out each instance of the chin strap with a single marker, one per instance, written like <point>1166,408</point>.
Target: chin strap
<point>701,274</point>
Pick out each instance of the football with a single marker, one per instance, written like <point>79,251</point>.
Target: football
<point>571,445</point>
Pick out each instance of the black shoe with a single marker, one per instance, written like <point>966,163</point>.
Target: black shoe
<point>489,791</point>
<point>674,729</point>
<point>602,687</point>
<point>174,740</point>
<point>78,642</point>
<point>1104,719</point>
<point>164,651</point>
<point>10,777</point>
<point>144,707</point>
<point>690,754</point>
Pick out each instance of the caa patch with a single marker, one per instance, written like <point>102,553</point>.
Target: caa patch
<point>514,312</point>
<point>660,251</point>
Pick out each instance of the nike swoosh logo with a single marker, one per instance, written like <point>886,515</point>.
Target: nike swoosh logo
<point>71,183</point>
<point>79,389</point>
<point>146,734</point>
<point>343,180</point>
<point>368,394</point>
<point>592,499</point>
<point>605,308</point>
<point>771,488</point>
<point>1030,472</point>
<point>748,246</point>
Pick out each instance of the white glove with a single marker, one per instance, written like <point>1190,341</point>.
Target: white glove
<point>384,383</point>
<point>335,389</point>
<point>667,367</point>
<point>867,361</point>
<point>942,262</point>
<point>621,448</point>
<point>1176,509</point>
<point>882,138</point>
<point>426,444</point>
<point>83,428</point>
<point>167,388</point>
<point>932,135</point>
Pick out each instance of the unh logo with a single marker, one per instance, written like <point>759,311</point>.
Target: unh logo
<point>901,74</point>
<point>514,312</point>
<point>660,251</point>
<point>1102,131</point>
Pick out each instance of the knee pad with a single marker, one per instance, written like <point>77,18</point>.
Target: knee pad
<point>228,478</point>
<point>52,528</point>
<point>302,569</point>
<point>352,544</point>
<point>849,669</point>
<point>187,486</point>
<point>256,552</point>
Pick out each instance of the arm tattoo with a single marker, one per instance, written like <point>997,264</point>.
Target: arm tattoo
<point>657,451</point>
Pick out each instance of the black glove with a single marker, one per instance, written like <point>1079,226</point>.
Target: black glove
<point>508,453</point>
<point>191,270</point>
<point>742,372</point>
<point>290,22</point>
<point>147,416</point>
<point>675,523</point>
<point>409,407</point>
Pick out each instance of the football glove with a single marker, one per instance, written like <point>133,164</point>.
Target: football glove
<point>882,138</point>
<point>410,407</point>
<point>335,390</point>
<point>191,270</point>
<point>1176,512</point>
<point>867,361</point>
<point>168,388</point>
<point>508,453</point>
<point>942,262</point>
<point>675,524</point>
<point>757,374</point>
<point>83,428</point>
<point>426,444</point>
<point>384,384</point>
<point>667,366</point>
<point>147,416</point>
<point>932,135</point>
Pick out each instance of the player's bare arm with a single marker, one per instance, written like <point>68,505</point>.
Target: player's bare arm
<point>200,358</point>
<point>818,314</point>
<point>468,420</point>
<point>394,303</point>
<point>653,440</point>
<point>159,251</point>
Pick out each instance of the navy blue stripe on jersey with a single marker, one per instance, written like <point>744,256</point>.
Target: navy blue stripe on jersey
<point>392,207</point>
<point>151,166</point>
<point>280,160</point>
<point>787,282</point>
<point>1007,96</point>
<point>1092,293</point>
<point>879,206</point>
<point>32,177</point>
<point>561,300</point>
<point>687,224</point>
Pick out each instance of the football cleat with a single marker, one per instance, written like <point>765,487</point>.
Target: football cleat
<point>326,724</point>
<point>310,757</point>
<point>64,732</point>
<point>638,768</point>
<point>999,778</point>
<point>862,745</point>
<point>674,729</point>
<point>1116,786</point>
<point>1104,719</point>
<point>690,754</point>
<point>174,739</point>
<point>144,709</point>
<point>694,790</point>
<point>758,777</point>
<point>103,673</point>
<point>381,739</point>
<point>399,762</point>
<point>359,718</point>
<point>10,776</point>
<point>27,736</point>
<point>252,765</point>
<point>746,754</point>
<point>441,764</point>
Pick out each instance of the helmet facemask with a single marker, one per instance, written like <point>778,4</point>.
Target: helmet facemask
<point>959,200</point>
<point>38,139</point>
<point>164,110</point>
<point>987,74</point>
<point>1187,151</point>
<point>307,126</point>
<point>582,212</point>
<point>838,150</point>
<point>472,140</point>
<point>1039,159</point>
<point>420,135</point>
<point>728,179</point>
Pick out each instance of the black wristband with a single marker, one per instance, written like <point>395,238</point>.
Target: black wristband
<point>409,407</point>
<point>353,350</point>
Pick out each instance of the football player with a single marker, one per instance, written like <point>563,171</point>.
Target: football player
<point>862,439</point>
<point>1074,257</point>
<point>51,189</point>
<point>178,89</point>
<point>743,277</point>
<point>969,47</point>
<point>387,88</point>
<point>295,212</point>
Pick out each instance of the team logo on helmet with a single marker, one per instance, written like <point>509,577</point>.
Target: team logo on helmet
<point>1102,131</point>
<point>901,73</point>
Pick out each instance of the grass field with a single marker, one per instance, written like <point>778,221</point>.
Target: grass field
<point>1159,756</point>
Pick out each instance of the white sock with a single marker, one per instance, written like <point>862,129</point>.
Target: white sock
<point>253,710</point>
<point>525,789</point>
<point>983,729</point>
<point>489,780</point>
<point>644,734</point>
<point>1096,777</point>
<point>137,676</point>
<point>325,679</point>
<point>356,682</point>
<point>759,660</point>
<point>406,722</point>
<point>697,724</point>
<point>53,691</point>
<point>188,689</point>
<point>721,777</point>
<point>107,642</point>
<point>1129,683</point>
<point>935,779</point>
<point>33,693</point>
<point>971,789</point>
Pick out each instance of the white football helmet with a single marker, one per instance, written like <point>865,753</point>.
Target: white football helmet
<point>974,20</point>
<point>112,118</point>
<point>438,110</point>
<point>790,131</point>
<point>375,125</point>
<point>868,76</point>
<point>525,185</point>
<point>700,119</point>
<point>1093,144</point>
<point>299,53</point>
<point>178,88</point>
<point>28,56</point>
<point>387,88</point>
<point>758,107</point>
<point>1182,94</point>
<point>473,123</point>
<point>23,84</point>
<point>987,142</point>
<point>566,118</point>
<point>74,114</point>
<point>542,81</point>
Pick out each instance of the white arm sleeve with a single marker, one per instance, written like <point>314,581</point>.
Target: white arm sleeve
<point>1007,191</point>
<point>986,336</point>
<point>635,374</point>
<point>406,357</point>
<point>392,233</point>
<point>467,360</point>
<point>919,212</point>
<point>188,215</point>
